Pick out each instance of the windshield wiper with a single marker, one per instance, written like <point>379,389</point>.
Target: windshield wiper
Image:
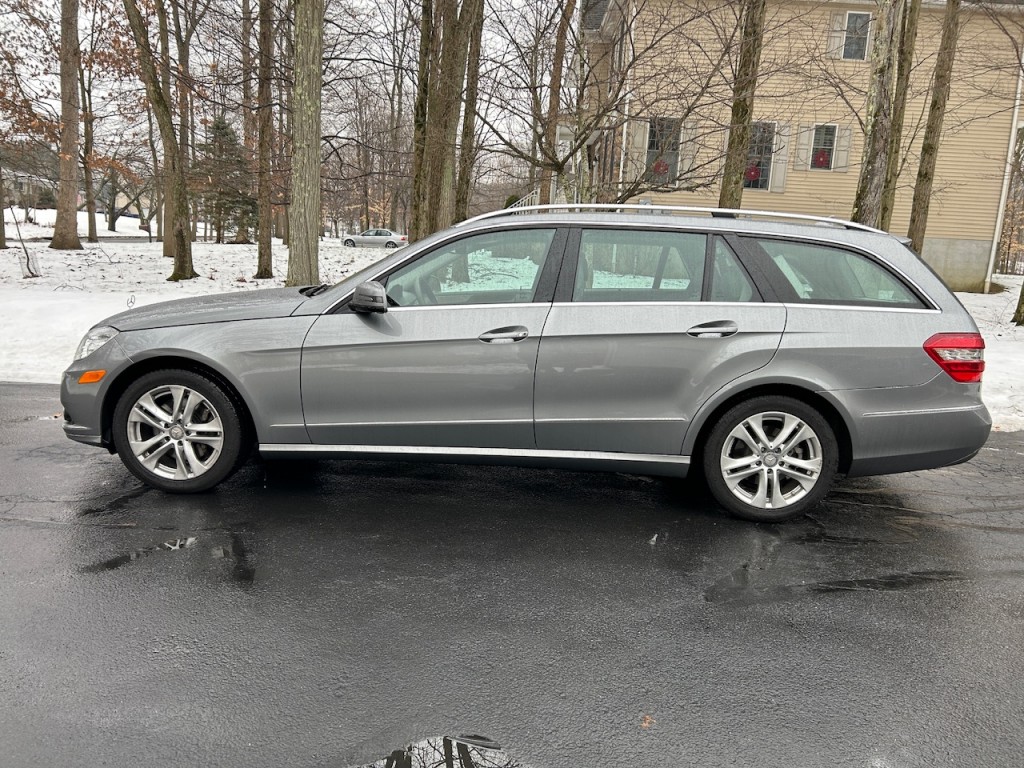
<point>314,290</point>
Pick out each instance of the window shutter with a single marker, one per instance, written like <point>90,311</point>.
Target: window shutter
<point>687,148</point>
<point>836,35</point>
<point>780,159</point>
<point>841,158</point>
<point>636,152</point>
<point>802,155</point>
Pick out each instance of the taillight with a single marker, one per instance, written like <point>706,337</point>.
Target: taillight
<point>961,355</point>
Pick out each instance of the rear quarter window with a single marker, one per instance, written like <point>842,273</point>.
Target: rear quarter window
<point>822,274</point>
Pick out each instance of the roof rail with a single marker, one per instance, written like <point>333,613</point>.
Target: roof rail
<point>728,213</point>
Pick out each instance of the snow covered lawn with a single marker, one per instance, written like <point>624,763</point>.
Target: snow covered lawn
<point>44,318</point>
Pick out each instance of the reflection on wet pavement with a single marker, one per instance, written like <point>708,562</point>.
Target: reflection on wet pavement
<point>449,752</point>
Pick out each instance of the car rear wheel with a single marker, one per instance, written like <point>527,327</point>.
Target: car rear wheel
<point>350,243</point>
<point>390,244</point>
<point>770,459</point>
<point>178,431</point>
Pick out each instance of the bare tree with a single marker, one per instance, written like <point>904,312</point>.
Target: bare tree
<point>65,230</point>
<point>265,126</point>
<point>933,130</point>
<point>306,215</point>
<point>867,203</point>
<point>736,155</point>
<point>553,114</point>
<point>904,65</point>
<point>174,163</point>
<point>444,45</point>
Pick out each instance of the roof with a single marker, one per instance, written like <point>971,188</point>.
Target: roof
<point>593,13</point>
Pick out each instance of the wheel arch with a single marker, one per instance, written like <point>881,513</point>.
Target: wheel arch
<point>130,374</point>
<point>828,409</point>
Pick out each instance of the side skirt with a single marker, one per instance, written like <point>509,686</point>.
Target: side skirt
<point>602,461</point>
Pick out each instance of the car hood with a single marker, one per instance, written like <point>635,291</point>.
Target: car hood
<point>218,308</point>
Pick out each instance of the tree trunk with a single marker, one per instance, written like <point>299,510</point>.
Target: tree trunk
<point>549,151</point>
<point>738,150</point>
<point>303,268</point>
<point>904,65</point>
<point>933,128</point>
<point>264,257</point>
<point>420,191</point>
<point>179,234</point>
<point>867,204</point>
<point>168,191</point>
<point>88,124</point>
<point>467,147</point>
<point>3,207</point>
<point>65,230</point>
<point>446,83</point>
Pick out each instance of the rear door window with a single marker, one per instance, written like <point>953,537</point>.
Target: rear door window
<point>821,274</point>
<point>636,265</point>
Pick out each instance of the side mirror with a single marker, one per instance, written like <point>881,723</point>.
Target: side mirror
<point>369,297</point>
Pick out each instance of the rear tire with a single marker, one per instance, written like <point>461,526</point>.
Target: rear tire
<point>389,245</point>
<point>770,459</point>
<point>179,431</point>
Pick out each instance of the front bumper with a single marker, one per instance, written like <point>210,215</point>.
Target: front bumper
<point>84,403</point>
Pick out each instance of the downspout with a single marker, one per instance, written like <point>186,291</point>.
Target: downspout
<point>1005,193</point>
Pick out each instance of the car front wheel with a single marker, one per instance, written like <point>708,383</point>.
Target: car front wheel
<point>350,243</point>
<point>770,459</point>
<point>178,431</point>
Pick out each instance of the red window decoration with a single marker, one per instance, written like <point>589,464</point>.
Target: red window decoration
<point>822,159</point>
<point>660,167</point>
<point>753,173</point>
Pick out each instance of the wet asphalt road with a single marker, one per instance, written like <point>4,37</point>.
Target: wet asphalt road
<point>326,614</point>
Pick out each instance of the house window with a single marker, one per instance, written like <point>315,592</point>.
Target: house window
<point>759,157</point>
<point>855,44</point>
<point>663,150</point>
<point>823,147</point>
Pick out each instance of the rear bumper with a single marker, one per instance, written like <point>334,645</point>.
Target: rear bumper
<point>889,436</point>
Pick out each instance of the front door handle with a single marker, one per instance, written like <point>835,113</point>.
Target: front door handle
<point>718,329</point>
<point>507,335</point>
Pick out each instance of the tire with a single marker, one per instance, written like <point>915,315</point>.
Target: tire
<point>756,478</point>
<point>349,243</point>
<point>179,431</point>
<point>390,245</point>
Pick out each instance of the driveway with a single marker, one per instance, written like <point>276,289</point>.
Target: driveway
<point>325,614</point>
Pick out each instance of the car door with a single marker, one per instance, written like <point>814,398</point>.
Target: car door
<point>452,362</point>
<point>645,327</point>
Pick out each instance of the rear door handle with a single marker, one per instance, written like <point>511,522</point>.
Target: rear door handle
<point>717,329</point>
<point>507,335</point>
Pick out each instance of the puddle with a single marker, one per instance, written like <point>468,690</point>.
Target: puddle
<point>448,752</point>
<point>737,587</point>
<point>243,570</point>
<point>116,562</point>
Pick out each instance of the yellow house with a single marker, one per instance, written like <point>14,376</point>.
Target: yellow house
<point>668,66</point>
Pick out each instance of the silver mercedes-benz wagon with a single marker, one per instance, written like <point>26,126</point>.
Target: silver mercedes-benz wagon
<point>772,352</point>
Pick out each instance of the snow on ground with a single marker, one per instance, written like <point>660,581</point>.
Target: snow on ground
<point>41,224</point>
<point>44,318</point>
<point>1003,383</point>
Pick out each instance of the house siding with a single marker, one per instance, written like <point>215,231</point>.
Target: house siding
<point>802,86</point>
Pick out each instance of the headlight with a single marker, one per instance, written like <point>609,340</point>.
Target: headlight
<point>95,339</point>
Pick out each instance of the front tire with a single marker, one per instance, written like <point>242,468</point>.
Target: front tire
<point>349,243</point>
<point>770,459</point>
<point>179,431</point>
